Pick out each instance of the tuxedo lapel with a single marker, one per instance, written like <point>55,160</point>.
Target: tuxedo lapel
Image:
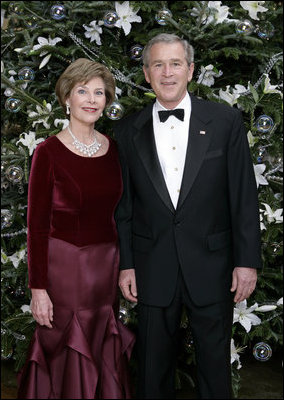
<point>144,142</point>
<point>198,142</point>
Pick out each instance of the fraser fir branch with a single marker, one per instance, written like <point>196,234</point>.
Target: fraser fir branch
<point>19,91</point>
<point>26,169</point>
<point>179,27</point>
<point>32,12</point>
<point>26,320</point>
<point>7,45</point>
<point>276,315</point>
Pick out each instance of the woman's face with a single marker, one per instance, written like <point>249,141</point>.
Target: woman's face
<point>87,100</point>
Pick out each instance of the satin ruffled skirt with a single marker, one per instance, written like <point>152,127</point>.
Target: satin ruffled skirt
<point>85,354</point>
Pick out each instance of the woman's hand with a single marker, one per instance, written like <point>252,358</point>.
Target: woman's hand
<point>41,307</point>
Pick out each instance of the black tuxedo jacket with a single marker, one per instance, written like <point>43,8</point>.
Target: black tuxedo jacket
<point>215,226</point>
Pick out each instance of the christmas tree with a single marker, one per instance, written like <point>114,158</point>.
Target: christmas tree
<point>238,61</point>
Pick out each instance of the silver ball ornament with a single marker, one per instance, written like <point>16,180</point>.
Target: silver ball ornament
<point>262,351</point>
<point>26,74</point>
<point>6,218</point>
<point>264,123</point>
<point>110,18</point>
<point>123,315</point>
<point>244,27</point>
<point>14,174</point>
<point>162,16</point>
<point>115,111</point>
<point>136,52</point>
<point>13,105</point>
<point>58,12</point>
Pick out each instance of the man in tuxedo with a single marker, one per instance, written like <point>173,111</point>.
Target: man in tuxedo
<point>188,223</point>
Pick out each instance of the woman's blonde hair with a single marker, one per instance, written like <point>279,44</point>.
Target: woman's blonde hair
<point>83,70</point>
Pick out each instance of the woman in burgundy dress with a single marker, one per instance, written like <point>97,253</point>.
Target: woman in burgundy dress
<point>79,349</point>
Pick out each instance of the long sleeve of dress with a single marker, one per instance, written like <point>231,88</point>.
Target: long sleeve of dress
<point>39,211</point>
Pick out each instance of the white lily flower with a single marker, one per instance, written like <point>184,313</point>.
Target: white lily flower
<point>30,141</point>
<point>63,122</point>
<point>206,76</point>
<point>196,13</point>
<point>273,216</point>
<point>43,113</point>
<point>93,32</point>
<point>126,16</point>
<point>235,354</point>
<point>268,88</point>
<point>253,7</point>
<point>118,91</point>
<point>258,171</point>
<point>26,308</point>
<point>2,16</point>
<point>19,49</point>
<point>220,12</point>
<point>4,257</point>
<point>244,315</point>
<point>9,92</point>
<point>262,226</point>
<point>17,257</point>
<point>44,61</point>
<point>280,302</point>
<point>215,13</point>
<point>226,95</point>
<point>240,89</point>
<point>45,42</point>
<point>252,140</point>
<point>266,308</point>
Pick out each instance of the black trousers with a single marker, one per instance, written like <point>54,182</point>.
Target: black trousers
<point>157,345</point>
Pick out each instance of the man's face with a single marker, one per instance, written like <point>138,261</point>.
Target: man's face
<point>168,73</point>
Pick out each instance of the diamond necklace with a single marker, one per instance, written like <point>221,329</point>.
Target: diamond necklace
<point>90,149</point>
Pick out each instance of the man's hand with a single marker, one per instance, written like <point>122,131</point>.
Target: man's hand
<point>244,281</point>
<point>127,284</point>
<point>41,307</point>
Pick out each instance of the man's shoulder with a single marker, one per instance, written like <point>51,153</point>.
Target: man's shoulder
<point>129,117</point>
<point>133,119</point>
<point>214,108</point>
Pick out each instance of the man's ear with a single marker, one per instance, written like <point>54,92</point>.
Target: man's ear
<point>146,74</point>
<point>190,73</point>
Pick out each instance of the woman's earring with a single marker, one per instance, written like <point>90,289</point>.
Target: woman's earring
<point>67,109</point>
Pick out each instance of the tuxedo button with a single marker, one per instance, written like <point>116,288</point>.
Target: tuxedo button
<point>177,222</point>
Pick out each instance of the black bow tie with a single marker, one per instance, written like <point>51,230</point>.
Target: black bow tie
<point>178,113</point>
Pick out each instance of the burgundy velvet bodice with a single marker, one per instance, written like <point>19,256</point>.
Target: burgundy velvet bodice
<point>72,198</point>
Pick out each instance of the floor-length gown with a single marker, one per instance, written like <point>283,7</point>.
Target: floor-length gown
<point>73,254</point>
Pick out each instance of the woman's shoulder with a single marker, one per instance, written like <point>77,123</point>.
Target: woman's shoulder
<point>48,142</point>
<point>48,146</point>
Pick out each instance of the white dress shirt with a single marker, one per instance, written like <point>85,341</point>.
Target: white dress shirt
<point>171,139</point>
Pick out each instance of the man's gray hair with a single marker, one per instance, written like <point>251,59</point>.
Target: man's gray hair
<point>168,38</point>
